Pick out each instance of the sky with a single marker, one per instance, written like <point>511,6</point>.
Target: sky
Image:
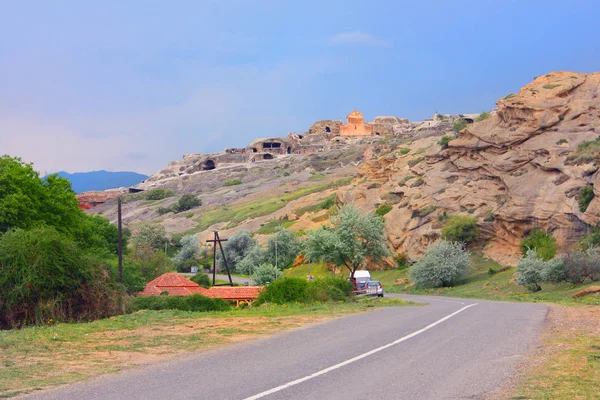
<point>133,85</point>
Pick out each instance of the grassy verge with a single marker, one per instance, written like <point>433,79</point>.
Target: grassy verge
<point>236,214</point>
<point>42,357</point>
<point>568,365</point>
<point>490,280</point>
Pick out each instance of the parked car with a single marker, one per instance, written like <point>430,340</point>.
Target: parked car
<point>361,277</point>
<point>375,287</point>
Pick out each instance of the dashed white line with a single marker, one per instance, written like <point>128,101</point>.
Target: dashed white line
<point>354,359</point>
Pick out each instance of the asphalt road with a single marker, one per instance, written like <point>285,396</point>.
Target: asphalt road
<point>448,349</point>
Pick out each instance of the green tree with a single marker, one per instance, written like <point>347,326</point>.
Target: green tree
<point>443,264</point>
<point>236,247</point>
<point>459,125</point>
<point>265,273</point>
<point>460,228</point>
<point>529,270</point>
<point>254,257</point>
<point>150,235</point>
<point>45,275</point>
<point>150,263</point>
<point>187,202</point>
<point>352,238</point>
<point>28,201</point>
<point>283,248</point>
<point>190,247</point>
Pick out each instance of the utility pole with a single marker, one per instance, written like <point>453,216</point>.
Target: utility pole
<point>120,234</point>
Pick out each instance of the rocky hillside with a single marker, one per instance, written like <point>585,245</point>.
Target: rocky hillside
<point>522,167</point>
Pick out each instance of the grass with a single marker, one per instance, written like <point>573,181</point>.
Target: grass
<point>238,213</point>
<point>586,152</point>
<point>551,86</point>
<point>43,357</point>
<point>323,205</point>
<point>272,225</point>
<point>568,366</point>
<point>232,182</point>
<point>480,284</point>
<point>317,177</point>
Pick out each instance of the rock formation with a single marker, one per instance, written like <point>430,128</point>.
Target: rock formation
<point>516,170</point>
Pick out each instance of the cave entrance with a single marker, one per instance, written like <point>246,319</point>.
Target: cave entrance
<point>327,129</point>
<point>208,165</point>
<point>268,157</point>
<point>289,150</point>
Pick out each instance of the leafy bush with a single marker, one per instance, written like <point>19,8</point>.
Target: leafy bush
<point>383,209</point>
<point>561,141</point>
<point>401,260</point>
<point>460,228</point>
<point>286,290</point>
<point>586,195</point>
<point>265,273</point>
<point>373,185</point>
<point>186,202</point>
<point>444,141</point>
<point>404,150</point>
<point>574,267</point>
<point>551,86</point>
<point>542,242</point>
<point>44,275</point>
<point>297,290</point>
<point>163,210</point>
<point>202,280</point>
<point>158,194</point>
<point>194,302</point>
<point>327,289</point>
<point>232,182</point>
<point>530,270</point>
<point>482,117</point>
<point>459,125</point>
<point>443,264</point>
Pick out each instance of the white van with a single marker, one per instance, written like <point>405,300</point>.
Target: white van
<point>362,277</point>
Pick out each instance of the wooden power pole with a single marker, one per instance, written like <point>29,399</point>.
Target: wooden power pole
<point>215,241</point>
<point>120,235</point>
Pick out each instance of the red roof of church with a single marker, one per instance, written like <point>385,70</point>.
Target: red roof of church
<point>177,285</point>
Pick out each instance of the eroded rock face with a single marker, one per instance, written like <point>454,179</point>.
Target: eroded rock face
<point>509,171</point>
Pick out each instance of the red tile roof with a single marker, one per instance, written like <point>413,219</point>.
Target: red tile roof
<point>234,292</point>
<point>177,285</point>
<point>174,284</point>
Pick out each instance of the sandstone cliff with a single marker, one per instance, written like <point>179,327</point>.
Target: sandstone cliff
<point>518,169</point>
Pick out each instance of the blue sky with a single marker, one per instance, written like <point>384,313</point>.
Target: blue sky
<point>133,85</point>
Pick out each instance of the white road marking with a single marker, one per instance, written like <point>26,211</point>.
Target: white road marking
<point>445,301</point>
<point>354,359</point>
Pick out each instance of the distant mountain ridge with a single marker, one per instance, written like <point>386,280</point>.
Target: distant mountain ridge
<point>101,180</point>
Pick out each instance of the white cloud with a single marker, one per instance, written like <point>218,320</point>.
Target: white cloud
<point>356,38</point>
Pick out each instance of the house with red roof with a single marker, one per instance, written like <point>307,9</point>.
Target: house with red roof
<point>177,285</point>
